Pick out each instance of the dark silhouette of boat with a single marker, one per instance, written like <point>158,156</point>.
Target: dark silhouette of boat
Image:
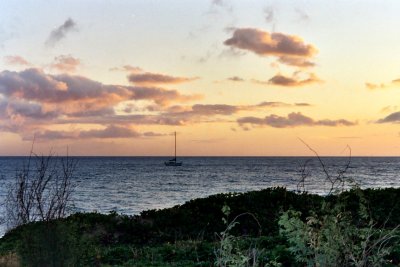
<point>173,162</point>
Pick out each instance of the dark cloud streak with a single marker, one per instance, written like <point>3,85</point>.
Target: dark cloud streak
<point>293,119</point>
<point>60,32</point>
<point>155,78</point>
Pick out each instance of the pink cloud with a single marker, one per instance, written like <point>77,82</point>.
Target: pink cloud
<point>16,60</point>
<point>65,63</point>
<point>270,44</point>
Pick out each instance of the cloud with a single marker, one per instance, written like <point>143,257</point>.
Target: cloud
<point>18,115</point>
<point>273,104</point>
<point>182,115</point>
<point>153,134</point>
<point>65,63</point>
<point>143,78</point>
<point>396,81</point>
<point>222,109</point>
<point>349,137</point>
<point>53,135</point>
<point>35,85</point>
<point>270,44</point>
<point>148,78</point>
<point>282,80</point>
<point>235,79</point>
<point>296,61</point>
<point>373,86</point>
<point>293,119</point>
<point>32,99</point>
<point>128,68</point>
<point>281,104</point>
<point>179,115</point>
<point>269,13</point>
<point>231,52</point>
<point>60,32</point>
<point>160,96</point>
<point>20,109</point>
<point>209,141</point>
<point>216,4</point>
<point>110,131</point>
<point>297,79</point>
<point>302,15</point>
<point>391,118</point>
<point>388,109</point>
<point>16,60</point>
<point>303,104</point>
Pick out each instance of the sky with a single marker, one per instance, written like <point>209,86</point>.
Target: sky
<point>231,78</point>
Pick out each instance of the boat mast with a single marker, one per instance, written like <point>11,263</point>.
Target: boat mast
<point>175,146</point>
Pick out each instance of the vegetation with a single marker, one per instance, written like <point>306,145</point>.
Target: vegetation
<point>185,235</point>
<point>41,190</point>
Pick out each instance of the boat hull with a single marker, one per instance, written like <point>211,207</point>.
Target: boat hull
<point>169,163</point>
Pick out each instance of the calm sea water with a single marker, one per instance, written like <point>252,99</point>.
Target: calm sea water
<point>132,184</point>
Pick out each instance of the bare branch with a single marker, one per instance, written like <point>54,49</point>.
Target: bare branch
<point>42,189</point>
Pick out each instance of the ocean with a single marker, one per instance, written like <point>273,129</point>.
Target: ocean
<point>130,185</point>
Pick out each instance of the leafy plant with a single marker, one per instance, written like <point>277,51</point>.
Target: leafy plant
<point>229,252</point>
<point>333,236</point>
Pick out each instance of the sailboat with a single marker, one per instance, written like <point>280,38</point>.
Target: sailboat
<point>173,162</point>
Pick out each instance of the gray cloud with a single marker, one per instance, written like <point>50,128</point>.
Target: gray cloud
<point>60,32</point>
<point>153,134</point>
<point>273,104</point>
<point>19,109</point>
<point>296,61</point>
<point>222,109</point>
<point>269,13</point>
<point>295,80</point>
<point>181,115</point>
<point>293,119</point>
<point>53,135</point>
<point>303,104</point>
<point>302,15</point>
<point>32,99</point>
<point>34,84</point>
<point>216,4</point>
<point>148,78</point>
<point>391,118</point>
<point>235,79</point>
<point>110,131</point>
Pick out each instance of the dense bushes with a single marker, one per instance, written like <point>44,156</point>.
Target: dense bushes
<point>186,234</point>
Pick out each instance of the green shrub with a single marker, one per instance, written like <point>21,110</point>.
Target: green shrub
<point>335,237</point>
<point>53,244</point>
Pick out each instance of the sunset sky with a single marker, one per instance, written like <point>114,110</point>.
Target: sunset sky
<point>232,78</point>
